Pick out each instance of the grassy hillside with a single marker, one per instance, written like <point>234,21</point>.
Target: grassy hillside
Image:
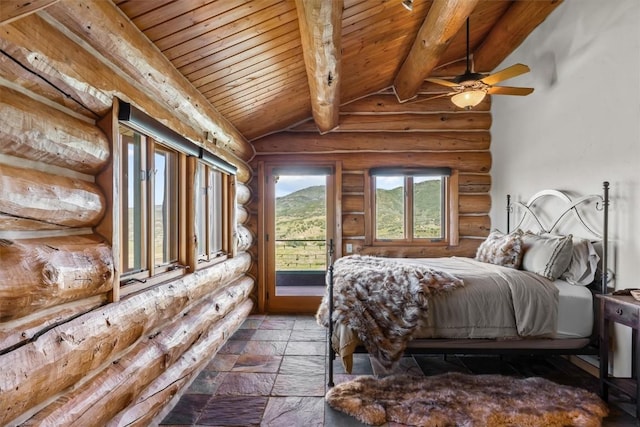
<point>301,215</point>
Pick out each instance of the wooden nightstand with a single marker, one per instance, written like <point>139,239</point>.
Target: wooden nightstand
<point>626,311</point>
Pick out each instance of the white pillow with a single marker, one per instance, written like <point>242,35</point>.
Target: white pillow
<point>547,255</point>
<point>584,263</point>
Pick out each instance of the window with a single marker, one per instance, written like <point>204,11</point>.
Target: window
<point>171,192</point>
<point>411,205</point>
<point>211,219</point>
<point>149,205</point>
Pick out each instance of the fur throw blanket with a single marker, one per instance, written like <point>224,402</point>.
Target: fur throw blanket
<point>382,301</point>
<point>456,399</point>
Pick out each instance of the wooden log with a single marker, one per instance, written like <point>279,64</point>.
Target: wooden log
<point>352,203</point>
<point>245,238</point>
<point>353,183</point>
<point>353,225</point>
<point>474,183</point>
<point>40,273</point>
<point>13,223</point>
<point>26,328</point>
<point>510,31</point>
<point>168,385</point>
<point>408,122</point>
<point>43,49</point>
<point>443,21</point>
<point>320,25</point>
<point>243,194</point>
<point>298,142</point>
<point>242,214</point>
<point>32,194</point>
<point>463,161</point>
<point>115,36</point>
<point>466,248</point>
<point>61,357</point>
<point>474,225</point>
<point>388,103</point>
<point>29,82</point>
<point>35,131</point>
<point>113,389</point>
<point>13,10</point>
<point>474,203</point>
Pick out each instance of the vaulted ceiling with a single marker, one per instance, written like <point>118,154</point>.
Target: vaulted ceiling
<point>266,65</point>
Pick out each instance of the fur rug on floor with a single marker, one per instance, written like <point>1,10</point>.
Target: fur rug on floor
<point>455,399</point>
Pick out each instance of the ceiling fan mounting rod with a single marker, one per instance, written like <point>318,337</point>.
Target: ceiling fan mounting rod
<point>468,61</point>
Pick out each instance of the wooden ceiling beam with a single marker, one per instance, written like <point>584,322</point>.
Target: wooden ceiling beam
<point>320,24</point>
<point>11,10</point>
<point>443,21</point>
<point>510,31</point>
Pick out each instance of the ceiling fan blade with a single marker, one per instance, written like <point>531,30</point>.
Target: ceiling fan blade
<point>507,73</point>
<point>508,90</point>
<point>443,82</point>
<point>431,97</point>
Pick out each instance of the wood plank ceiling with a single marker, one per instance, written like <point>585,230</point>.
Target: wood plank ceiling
<point>250,60</point>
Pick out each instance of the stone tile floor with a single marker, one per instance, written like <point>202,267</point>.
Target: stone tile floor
<point>271,372</point>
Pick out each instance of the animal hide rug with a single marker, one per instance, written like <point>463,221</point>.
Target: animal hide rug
<point>456,399</point>
<point>383,301</point>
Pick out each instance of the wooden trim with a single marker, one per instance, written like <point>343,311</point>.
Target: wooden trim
<point>109,181</point>
<point>262,240</point>
<point>191,248</point>
<point>338,206</point>
<point>291,304</point>
<point>229,212</point>
<point>183,212</point>
<point>452,205</point>
<point>369,199</point>
<point>453,232</point>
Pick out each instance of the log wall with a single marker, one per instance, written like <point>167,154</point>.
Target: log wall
<point>73,350</point>
<point>378,131</point>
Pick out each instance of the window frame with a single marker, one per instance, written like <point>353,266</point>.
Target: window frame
<point>450,235</point>
<point>146,238</point>
<point>225,208</point>
<point>180,182</point>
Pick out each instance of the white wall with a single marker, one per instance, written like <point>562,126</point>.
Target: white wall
<point>581,126</point>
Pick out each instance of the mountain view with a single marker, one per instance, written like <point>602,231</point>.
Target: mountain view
<point>301,214</point>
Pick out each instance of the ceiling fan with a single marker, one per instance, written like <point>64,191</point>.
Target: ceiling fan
<point>469,89</point>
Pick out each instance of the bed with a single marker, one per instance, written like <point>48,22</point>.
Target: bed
<point>530,290</point>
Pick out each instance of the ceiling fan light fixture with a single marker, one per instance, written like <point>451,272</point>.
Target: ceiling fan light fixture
<point>408,4</point>
<point>468,98</point>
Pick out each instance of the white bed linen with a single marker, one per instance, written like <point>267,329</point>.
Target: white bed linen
<point>573,319</point>
<point>575,311</point>
<point>496,302</point>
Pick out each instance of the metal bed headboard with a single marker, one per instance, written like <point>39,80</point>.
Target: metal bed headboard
<point>601,204</point>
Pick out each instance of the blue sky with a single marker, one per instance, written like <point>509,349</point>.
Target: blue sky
<point>288,184</point>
